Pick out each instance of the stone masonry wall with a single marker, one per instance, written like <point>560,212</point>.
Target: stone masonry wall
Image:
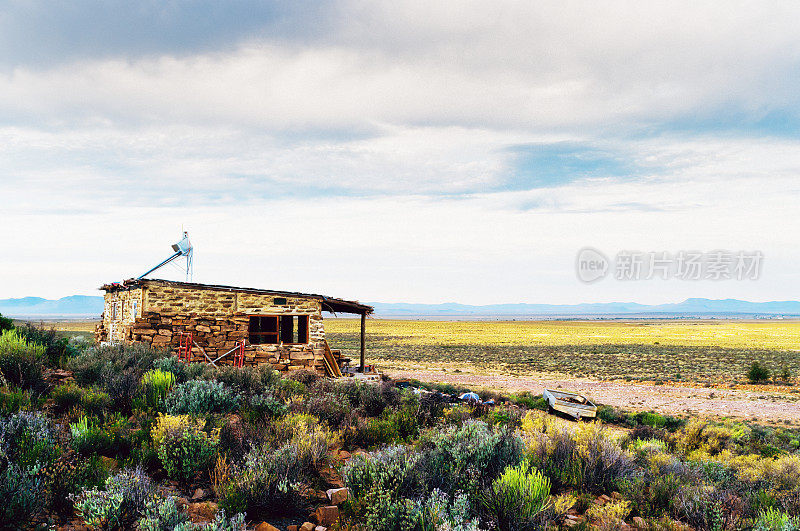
<point>217,320</point>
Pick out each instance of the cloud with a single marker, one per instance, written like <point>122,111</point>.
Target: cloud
<point>396,151</point>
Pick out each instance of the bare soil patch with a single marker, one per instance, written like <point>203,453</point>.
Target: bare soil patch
<point>770,406</point>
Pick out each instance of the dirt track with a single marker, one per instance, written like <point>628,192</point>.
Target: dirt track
<point>769,406</point>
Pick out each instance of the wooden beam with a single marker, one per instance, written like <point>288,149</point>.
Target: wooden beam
<point>363,338</point>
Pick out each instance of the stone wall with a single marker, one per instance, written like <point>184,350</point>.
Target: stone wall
<point>116,324</point>
<point>217,320</point>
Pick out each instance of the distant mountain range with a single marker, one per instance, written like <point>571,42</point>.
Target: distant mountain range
<point>74,305</point>
<point>693,306</point>
<point>81,305</point>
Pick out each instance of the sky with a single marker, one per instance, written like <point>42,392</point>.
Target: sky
<point>398,151</point>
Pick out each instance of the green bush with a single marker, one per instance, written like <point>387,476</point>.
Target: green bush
<point>757,373</point>
<point>392,469</point>
<point>529,400</point>
<point>467,457</point>
<point>264,406</point>
<point>28,439</point>
<point>368,433</point>
<point>248,381</point>
<point>162,514</point>
<point>68,396</point>
<point>21,362</point>
<point>87,437</point>
<point>265,484</point>
<point>22,495</point>
<point>197,397</point>
<point>187,453</point>
<point>774,520</point>
<point>5,323</point>
<point>438,512</point>
<point>517,498</point>
<point>103,364</point>
<point>119,505</point>
<point>15,399</point>
<point>67,476</point>
<point>156,384</point>
<point>57,349</point>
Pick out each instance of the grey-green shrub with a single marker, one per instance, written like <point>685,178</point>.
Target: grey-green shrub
<point>392,469</point>
<point>265,484</point>
<point>28,439</point>
<point>198,397</point>
<point>119,504</point>
<point>22,492</point>
<point>438,512</point>
<point>162,514</point>
<point>467,457</point>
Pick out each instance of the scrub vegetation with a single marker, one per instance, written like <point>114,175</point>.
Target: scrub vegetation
<point>122,437</point>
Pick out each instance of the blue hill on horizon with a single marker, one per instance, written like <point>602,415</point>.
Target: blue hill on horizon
<point>87,305</point>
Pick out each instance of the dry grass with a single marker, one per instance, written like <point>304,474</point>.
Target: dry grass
<point>696,351</point>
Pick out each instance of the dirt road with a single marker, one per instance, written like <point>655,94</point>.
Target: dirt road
<point>773,406</point>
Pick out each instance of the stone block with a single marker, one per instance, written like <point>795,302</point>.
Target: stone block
<point>338,496</point>
<point>327,515</point>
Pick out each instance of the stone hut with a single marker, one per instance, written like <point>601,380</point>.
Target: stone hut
<point>214,324</point>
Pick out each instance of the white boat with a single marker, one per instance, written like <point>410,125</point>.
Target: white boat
<point>572,404</point>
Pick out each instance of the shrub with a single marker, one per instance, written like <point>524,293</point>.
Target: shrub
<point>22,493</point>
<point>265,484</point>
<point>68,396</point>
<point>67,476</point>
<point>609,516</point>
<point>102,365</point>
<point>467,457</point>
<point>87,437</point>
<point>21,362</point>
<point>286,388</point>
<point>187,453</point>
<point>119,504</point>
<point>156,384</point>
<point>15,399</point>
<point>516,498</point>
<point>328,407</point>
<point>529,400</point>
<point>309,439</point>
<point>368,433</point>
<point>264,406</point>
<point>774,520</point>
<point>5,323</point>
<point>437,512</point>
<point>757,373</point>
<point>28,439</point>
<point>586,459</point>
<point>56,349</point>
<point>201,396</point>
<point>250,380</point>
<point>392,469</point>
<point>162,514</point>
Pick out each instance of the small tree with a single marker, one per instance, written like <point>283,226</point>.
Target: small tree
<point>758,373</point>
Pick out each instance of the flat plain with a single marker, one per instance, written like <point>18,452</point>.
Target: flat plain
<point>708,352</point>
<point>675,367</point>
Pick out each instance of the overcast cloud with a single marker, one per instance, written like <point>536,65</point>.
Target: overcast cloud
<point>403,151</point>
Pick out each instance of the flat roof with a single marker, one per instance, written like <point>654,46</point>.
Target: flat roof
<point>329,304</point>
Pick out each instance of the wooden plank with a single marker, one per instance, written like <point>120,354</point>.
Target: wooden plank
<point>331,366</point>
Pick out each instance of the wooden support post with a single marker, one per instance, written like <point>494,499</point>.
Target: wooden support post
<point>363,339</point>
